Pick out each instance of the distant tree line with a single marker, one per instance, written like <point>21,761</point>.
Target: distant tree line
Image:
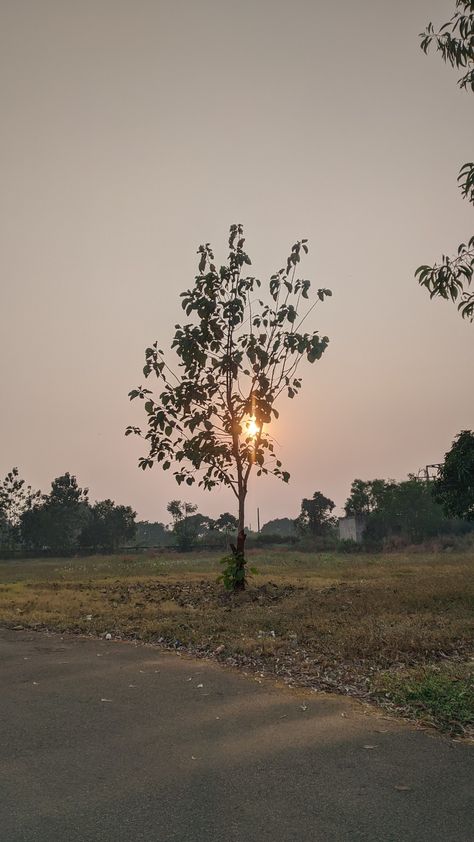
<point>61,522</point>
<point>406,511</point>
<point>64,522</point>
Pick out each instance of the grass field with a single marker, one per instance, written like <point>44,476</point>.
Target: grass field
<point>394,629</point>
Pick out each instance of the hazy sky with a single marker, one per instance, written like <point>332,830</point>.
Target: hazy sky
<point>133,131</point>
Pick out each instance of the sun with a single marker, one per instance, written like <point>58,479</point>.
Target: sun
<point>252,427</point>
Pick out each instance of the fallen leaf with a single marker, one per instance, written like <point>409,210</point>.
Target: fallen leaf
<point>199,685</point>
<point>304,707</point>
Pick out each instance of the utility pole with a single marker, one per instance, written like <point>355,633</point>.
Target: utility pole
<point>258,520</point>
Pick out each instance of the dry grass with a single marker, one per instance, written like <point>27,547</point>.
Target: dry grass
<point>326,621</point>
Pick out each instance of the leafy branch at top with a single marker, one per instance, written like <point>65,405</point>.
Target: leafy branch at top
<point>455,41</point>
<point>451,278</point>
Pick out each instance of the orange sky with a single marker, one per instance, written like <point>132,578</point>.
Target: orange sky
<point>133,131</point>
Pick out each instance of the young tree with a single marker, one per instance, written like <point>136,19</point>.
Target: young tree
<point>236,357</point>
<point>452,277</point>
<point>15,499</point>
<point>315,517</point>
<point>454,488</point>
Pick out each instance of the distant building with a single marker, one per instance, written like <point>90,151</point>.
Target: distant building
<point>352,528</point>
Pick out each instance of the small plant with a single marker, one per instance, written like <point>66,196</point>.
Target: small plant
<point>233,573</point>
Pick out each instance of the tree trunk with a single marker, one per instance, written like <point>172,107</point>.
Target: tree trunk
<point>238,549</point>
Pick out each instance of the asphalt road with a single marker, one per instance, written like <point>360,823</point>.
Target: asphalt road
<point>115,742</point>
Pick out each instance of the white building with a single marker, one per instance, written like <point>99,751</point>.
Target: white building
<point>352,528</point>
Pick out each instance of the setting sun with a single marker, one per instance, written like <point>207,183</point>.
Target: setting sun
<point>252,427</point>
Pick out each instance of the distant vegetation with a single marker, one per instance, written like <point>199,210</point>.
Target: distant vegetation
<point>395,514</point>
<point>61,522</point>
<point>400,512</point>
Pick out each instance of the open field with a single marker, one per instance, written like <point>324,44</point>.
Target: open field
<point>395,629</point>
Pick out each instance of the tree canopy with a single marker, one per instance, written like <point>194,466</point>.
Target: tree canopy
<point>364,496</point>
<point>454,488</point>
<point>56,520</point>
<point>315,517</point>
<point>283,526</point>
<point>64,521</point>
<point>405,510</point>
<point>108,526</point>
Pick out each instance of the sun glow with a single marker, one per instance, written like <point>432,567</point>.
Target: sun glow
<point>252,427</point>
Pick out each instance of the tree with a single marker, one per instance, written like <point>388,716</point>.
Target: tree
<point>315,517</point>
<point>55,521</point>
<point>226,522</point>
<point>364,496</point>
<point>405,510</point>
<point>185,529</point>
<point>152,534</point>
<point>235,358</point>
<point>218,528</point>
<point>283,526</point>
<point>452,277</point>
<point>454,487</point>
<point>108,526</point>
<point>15,499</point>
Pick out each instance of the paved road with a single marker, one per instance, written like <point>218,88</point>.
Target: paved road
<point>112,742</point>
